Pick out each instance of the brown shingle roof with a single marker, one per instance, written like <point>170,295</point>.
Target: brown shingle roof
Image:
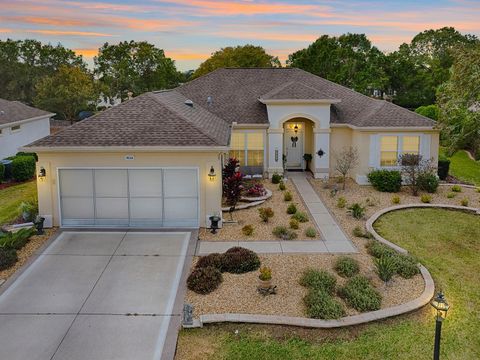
<point>294,91</point>
<point>12,111</point>
<point>151,119</point>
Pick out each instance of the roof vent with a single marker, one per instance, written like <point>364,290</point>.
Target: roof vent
<point>209,101</point>
<point>189,103</point>
<point>2,112</point>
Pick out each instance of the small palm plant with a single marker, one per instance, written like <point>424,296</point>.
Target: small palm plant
<point>385,268</point>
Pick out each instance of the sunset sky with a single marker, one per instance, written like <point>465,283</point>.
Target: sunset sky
<point>190,30</point>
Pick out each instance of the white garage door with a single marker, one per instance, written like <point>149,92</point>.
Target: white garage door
<point>129,197</point>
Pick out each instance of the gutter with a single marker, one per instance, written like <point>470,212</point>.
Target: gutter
<point>24,121</point>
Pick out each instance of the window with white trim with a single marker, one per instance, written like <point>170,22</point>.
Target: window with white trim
<point>248,148</point>
<point>393,146</point>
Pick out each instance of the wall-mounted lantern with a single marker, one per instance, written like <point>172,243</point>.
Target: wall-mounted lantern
<point>295,128</point>
<point>211,174</point>
<point>42,174</point>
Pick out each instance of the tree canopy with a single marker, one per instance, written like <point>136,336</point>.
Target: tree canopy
<point>134,66</point>
<point>239,56</point>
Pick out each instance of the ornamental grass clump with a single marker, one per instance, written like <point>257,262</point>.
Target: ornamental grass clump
<point>294,224</point>
<point>276,178</point>
<point>426,199</point>
<point>377,249</point>
<point>300,216</point>
<point>385,267</point>
<point>265,214</point>
<point>451,195</point>
<point>310,232</point>
<point>346,266</point>
<point>464,202</point>
<point>287,196</point>
<point>456,188</point>
<point>357,211</point>
<point>204,280</point>
<point>291,209</point>
<point>247,230</point>
<point>341,202</point>
<point>321,305</point>
<point>283,233</point>
<point>395,199</point>
<point>360,295</point>
<point>319,280</point>
<point>281,186</point>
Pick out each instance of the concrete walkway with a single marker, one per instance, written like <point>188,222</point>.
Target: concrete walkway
<point>333,241</point>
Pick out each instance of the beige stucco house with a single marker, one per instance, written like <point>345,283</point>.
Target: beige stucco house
<point>149,161</point>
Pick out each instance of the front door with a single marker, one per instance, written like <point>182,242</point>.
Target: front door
<point>293,144</point>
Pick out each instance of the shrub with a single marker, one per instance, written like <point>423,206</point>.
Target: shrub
<point>294,224</point>
<point>457,188</point>
<point>2,172</point>
<point>359,294</point>
<point>287,196</point>
<point>276,178</point>
<point>238,260</point>
<point>300,216</point>
<point>477,189</point>
<point>385,180</point>
<point>281,186</point>
<point>8,257</point>
<point>265,213</point>
<point>357,211</point>
<point>321,305</point>
<point>406,266</point>
<point>443,167</point>
<point>214,260</point>
<point>385,268</point>
<point>283,233</point>
<point>358,231</point>
<point>464,202</point>
<point>319,280</point>
<point>451,195</point>
<point>32,154</point>
<point>265,273</point>
<point>428,182</point>
<point>23,168</point>
<point>341,202</point>
<point>310,232</point>
<point>378,250</point>
<point>16,240</point>
<point>395,199</point>
<point>426,199</point>
<point>291,209</point>
<point>247,230</point>
<point>346,266</point>
<point>204,280</point>
<point>254,189</point>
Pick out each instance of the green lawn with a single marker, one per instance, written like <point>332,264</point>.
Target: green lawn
<point>11,197</point>
<point>446,242</point>
<point>464,168</point>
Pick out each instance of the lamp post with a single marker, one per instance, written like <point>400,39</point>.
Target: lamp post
<point>439,303</point>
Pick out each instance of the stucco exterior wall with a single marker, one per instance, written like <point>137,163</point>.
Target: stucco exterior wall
<point>11,141</point>
<point>210,191</point>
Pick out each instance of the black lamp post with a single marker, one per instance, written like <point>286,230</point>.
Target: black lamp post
<point>439,303</point>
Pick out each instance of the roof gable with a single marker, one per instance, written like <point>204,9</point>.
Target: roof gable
<point>13,111</point>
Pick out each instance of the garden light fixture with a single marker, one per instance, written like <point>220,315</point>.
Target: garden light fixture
<point>214,220</point>
<point>211,174</point>
<point>42,174</point>
<point>439,303</point>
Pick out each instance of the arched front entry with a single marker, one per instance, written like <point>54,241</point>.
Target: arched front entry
<point>298,141</point>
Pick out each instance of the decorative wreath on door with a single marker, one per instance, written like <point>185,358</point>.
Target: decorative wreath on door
<point>294,141</point>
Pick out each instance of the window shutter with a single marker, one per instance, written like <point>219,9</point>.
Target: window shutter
<point>374,151</point>
<point>425,141</point>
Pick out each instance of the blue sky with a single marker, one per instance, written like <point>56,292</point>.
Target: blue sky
<point>190,30</point>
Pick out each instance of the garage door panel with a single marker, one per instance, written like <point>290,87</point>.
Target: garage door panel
<point>111,183</point>
<point>181,209</point>
<point>145,183</point>
<point>76,182</point>
<point>180,183</point>
<point>111,208</point>
<point>78,210</point>
<point>146,208</point>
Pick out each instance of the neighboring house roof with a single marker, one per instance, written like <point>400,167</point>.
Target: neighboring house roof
<point>151,119</point>
<point>13,111</point>
<point>235,93</point>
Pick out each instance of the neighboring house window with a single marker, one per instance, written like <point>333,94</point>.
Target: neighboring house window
<point>391,147</point>
<point>248,148</point>
<point>15,128</point>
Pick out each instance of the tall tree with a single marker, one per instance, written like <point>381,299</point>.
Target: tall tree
<point>67,92</point>
<point>240,56</point>
<point>23,63</point>
<point>459,101</point>
<point>134,66</point>
<point>349,60</point>
<point>417,69</point>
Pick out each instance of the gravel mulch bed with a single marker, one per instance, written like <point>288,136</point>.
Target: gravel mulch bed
<point>238,293</point>
<point>263,231</point>
<point>27,251</point>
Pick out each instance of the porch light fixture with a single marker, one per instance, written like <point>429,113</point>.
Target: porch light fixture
<point>439,303</point>
<point>211,174</point>
<point>295,128</point>
<point>214,220</point>
<point>42,174</point>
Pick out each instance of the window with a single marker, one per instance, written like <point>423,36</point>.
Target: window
<point>391,147</point>
<point>247,147</point>
<point>15,128</point>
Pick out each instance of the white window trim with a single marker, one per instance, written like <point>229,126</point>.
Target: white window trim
<point>375,148</point>
<point>245,142</point>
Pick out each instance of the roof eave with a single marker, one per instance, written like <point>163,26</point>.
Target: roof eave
<point>24,121</point>
<point>386,128</point>
<point>53,149</point>
<point>298,101</point>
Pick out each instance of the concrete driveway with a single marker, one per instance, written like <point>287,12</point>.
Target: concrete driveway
<point>95,295</point>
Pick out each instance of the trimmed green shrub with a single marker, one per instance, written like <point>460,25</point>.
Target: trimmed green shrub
<point>385,268</point>
<point>287,196</point>
<point>443,167</point>
<point>310,232</point>
<point>464,202</point>
<point>457,188</point>
<point>395,199</point>
<point>426,199</point>
<point>276,178</point>
<point>300,216</point>
<point>283,233</point>
<point>359,294</point>
<point>23,168</point>
<point>238,260</point>
<point>319,280</point>
<point>378,250</point>
<point>204,280</point>
<point>265,213</point>
<point>321,305</point>
<point>211,260</point>
<point>291,209</point>
<point>357,211</point>
<point>281,186</point>
<point>428,182</point>
<point>341,202</point>
<point>16,240</point>
<point>294,224</point>
<point>2,172</point>
<point>247,230</point>
<point>358,231</point>
<point>346,266</point>
<point>32,154</point>
<point>386,180</point>
<point>8,257</point>
<point>451,195</point>
<point>406,266</point>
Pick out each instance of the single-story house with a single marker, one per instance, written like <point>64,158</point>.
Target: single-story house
<point>149,161</point>
<point>20,125</point>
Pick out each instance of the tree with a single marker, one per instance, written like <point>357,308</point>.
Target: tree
<point>134,66</point>
<point>345,161</point>
<point>67,92</point>
<point>414,167</point>
<point>349,60</point>
<point>459,102</point>
<point>247,56</point>
<point>430,111</point>
<point>232,182</point>
<point>24,62</point>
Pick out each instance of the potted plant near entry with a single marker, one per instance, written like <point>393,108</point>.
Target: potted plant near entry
<point>265,277</point>
<point>307,158</point>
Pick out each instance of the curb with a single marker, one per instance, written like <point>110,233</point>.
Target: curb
<point>461,185</point>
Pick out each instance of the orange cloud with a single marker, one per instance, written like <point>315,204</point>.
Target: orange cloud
<point>5,30</point>
<point>63,32</point>
<point>88,53</point>
<point>186,55</point>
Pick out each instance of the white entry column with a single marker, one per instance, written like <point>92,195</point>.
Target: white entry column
<point>321,165</point>
<point>275,151</point>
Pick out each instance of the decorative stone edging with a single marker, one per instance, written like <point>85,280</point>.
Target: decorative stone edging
<point>252,202</point>
<point>462,185</point>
